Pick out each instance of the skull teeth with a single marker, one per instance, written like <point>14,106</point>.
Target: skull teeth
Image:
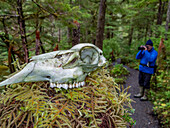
<point>66,86</point>
<point>52,85</point>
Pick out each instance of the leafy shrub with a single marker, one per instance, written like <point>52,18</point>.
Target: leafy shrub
<point>160,95</point>
<point>109,45</point>
<point>4,71</point>
<point>101,103</point>
<point>119,73</point>
<point>119,70</point>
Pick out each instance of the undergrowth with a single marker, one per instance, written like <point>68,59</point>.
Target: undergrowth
<point>101,103</point>
<point>119,73</point>
<point>160,94</point>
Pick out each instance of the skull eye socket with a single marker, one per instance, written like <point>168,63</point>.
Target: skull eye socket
<point>89,55</point>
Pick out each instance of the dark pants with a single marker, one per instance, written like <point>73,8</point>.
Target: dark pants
<point>144,79</point>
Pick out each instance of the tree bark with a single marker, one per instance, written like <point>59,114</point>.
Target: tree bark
<point>167,20</point>
<point>59,35</point>
<point>146,32</point>
<point>101,24</point>
<point>161,53</point>
<point>69,35</point>
<point>41,44</point>
<point>42,48</point>
<point>159,15</point>
<point>9,48</point>
<point>130,36</point>
<point>76,34</point>
<point>10,60</point>
<point>37,40</point>
<point>112,34</point>
<point>108,35</point>
<point>21,23</point>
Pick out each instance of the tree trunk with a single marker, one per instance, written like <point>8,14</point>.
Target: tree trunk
<point>76,34</point>
<point>21,23</point>
<point>10,60</point>
<point>167,20</point>
<point>159,15</point>
<point>69,35</point>
<point>146,32</point>
<point>101,24</point>
<point>42,48</point>
<point>6,31</point>
<point>41,44</point>
<point>71,2</point>
<point>112,34</point>
<point>9,48</point>
<point>93,24</point>
<point>38,44</point>
<point>37,39</point>
<point>161,53</point>
<point>130,36</point>
<point>108,33</point>
<point>59,35</point>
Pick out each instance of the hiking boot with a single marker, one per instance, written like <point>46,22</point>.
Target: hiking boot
<point>144,97</point>
<point>140,94</point>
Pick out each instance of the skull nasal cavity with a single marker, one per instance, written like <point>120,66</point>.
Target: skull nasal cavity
<point>74,60</point>
<point>48,77</point>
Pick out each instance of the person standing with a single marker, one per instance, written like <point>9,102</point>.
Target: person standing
<point>147,56</point>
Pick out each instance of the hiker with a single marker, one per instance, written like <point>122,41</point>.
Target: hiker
<point>147,56</point>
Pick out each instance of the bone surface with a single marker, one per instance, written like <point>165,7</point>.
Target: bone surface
<point>63,69</point>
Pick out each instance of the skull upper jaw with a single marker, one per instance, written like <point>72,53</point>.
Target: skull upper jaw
<point>57,75</point>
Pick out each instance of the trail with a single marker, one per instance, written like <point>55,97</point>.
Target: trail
<point>143,109</point>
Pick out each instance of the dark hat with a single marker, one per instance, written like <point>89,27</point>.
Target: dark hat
<point>149,42</point>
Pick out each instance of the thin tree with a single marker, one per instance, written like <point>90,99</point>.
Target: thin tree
<point>167,20</point>
<point>37,40</point>
<point>9,47</point>
<point>160,12</point>
<point>21,23</point>
<point>76,33</point>
<point>101,24</point>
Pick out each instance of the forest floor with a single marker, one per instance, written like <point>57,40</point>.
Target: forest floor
<point>143,109</point>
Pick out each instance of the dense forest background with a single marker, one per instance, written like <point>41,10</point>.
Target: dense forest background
<point>30,27</point>
<point>118,27</point>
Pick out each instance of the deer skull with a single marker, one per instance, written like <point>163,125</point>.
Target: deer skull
<point>63,69</point>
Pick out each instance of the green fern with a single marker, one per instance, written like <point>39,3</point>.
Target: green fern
<point>91,106</point>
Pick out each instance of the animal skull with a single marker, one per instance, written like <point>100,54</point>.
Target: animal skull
<point>66,69</point>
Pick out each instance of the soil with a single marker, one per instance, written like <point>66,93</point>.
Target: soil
<point>143,109</point>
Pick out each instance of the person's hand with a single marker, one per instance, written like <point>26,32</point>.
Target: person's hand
<point>145,48</point>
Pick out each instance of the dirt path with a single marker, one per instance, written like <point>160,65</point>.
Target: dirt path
<point>143,110</point>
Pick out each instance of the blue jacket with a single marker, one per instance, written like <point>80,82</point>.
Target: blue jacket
<point>147,57</point>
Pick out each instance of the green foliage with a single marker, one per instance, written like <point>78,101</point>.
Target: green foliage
<point>130,61</point>
<point>4,71</point>
<point>119,73</point>
<point>119,70</point>
<point>109,45</point>
<point>38,105</point>
<point>120,80</point>
<point>160,95</point>
<point>121,16</point>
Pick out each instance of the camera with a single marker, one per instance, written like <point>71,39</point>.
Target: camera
<point>141,48</point>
